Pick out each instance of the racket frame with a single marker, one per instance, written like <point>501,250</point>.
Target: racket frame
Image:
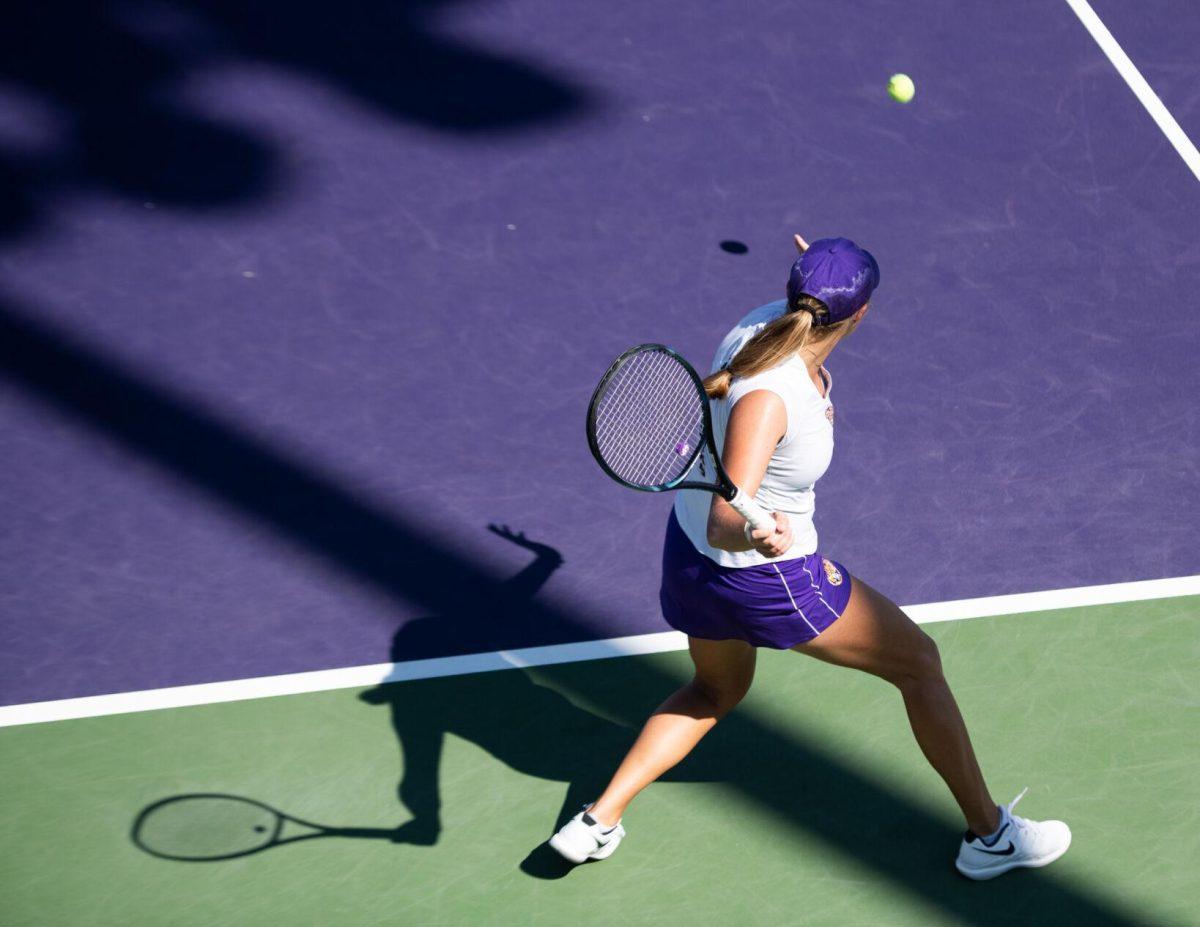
<point>723,487</point>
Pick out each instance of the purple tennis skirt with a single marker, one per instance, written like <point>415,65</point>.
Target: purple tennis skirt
<point>775,605</point>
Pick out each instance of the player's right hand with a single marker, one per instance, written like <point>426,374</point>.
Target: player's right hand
<point>773,543</point>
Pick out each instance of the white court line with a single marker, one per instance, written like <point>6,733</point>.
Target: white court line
<point>356,676</point>
<point>1133,77</point>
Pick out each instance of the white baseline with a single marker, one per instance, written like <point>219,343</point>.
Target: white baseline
<point>356,676</point>
<point>1142,90</point>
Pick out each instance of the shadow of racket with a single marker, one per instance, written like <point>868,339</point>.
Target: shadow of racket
<point>209,826</point>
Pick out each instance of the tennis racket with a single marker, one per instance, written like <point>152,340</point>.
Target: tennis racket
<point>207,826</point>
<point>649,421</point>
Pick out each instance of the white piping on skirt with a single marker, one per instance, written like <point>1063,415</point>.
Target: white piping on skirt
<point>793,600</point>
<point>817,589</point>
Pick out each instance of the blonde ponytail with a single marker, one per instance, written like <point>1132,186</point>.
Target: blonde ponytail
<point>778,341</point>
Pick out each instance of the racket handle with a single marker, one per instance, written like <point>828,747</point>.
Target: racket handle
<point>758,517</point>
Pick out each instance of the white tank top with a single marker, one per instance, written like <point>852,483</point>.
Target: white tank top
<point>800,458</point>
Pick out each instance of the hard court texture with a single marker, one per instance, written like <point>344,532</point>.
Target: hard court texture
<point>300,309</point>
<point>296,301</point>
<point>810,804</point>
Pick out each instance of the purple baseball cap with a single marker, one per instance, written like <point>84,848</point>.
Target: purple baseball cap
<point>837,272</point>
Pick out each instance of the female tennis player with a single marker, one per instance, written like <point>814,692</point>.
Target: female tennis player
<point>732,589</point>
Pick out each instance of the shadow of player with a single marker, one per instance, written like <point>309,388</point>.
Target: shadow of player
<point>524,724</point>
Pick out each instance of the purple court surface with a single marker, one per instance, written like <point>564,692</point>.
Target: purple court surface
<point>296,300</point>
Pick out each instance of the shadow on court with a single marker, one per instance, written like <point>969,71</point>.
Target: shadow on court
<point>209,827</point>
<point>507,714</point>
<point>524,724</point>
<point>107,93</point>
<point>792,778</point>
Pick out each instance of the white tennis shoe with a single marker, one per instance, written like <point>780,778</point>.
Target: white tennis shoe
<point>583,838</point>
<point>1019,842</point>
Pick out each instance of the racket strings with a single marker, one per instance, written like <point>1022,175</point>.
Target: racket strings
<point>626,414</point>
<point>631,411</point>
<point>661,412</point>
<point>649,420</point>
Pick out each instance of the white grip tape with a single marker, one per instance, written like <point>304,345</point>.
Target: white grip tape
<point>758,517</point>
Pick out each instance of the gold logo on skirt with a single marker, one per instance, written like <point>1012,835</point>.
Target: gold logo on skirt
<point>832,573</point>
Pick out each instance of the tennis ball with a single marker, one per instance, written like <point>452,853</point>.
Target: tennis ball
<point>901,88</point>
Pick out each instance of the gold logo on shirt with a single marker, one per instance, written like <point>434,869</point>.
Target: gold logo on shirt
<point>832,573</point>
<point>829,414</point>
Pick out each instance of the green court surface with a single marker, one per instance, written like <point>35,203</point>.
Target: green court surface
<point>809,805</point>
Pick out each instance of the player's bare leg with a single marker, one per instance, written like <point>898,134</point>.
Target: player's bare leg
<point>875,636</point>
<point>723,673</point>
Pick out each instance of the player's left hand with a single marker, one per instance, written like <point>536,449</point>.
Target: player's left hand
<point>773,543</point>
